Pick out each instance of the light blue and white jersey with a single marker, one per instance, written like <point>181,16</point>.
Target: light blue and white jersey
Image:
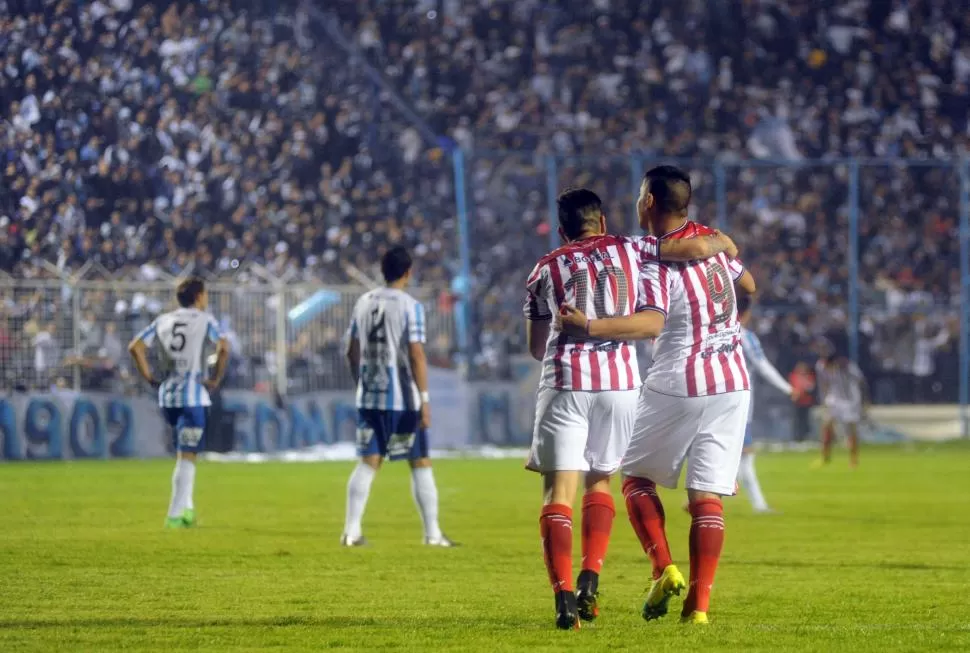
<point>754,355</point>
<point>182,338</point>
<point>385,322</point>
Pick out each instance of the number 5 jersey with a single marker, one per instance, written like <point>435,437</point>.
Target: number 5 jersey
<point>182,338</point>
<point>385,322</point>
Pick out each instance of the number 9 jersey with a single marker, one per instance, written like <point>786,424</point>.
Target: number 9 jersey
<point>600,276</point>
<point>182,336</point>
<point>699,352</point>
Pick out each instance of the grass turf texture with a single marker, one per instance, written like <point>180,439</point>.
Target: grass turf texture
<point>871,560</point>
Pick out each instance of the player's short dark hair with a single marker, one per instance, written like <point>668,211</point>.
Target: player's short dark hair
<point>579,210</point>
<point>745,302</point>
<point>395,264</point>
<point>188,291</point>
<point>670,187</point>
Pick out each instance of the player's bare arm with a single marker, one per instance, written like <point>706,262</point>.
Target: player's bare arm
<point>419,365</point>
<point>639,326</point>
<point>746,284</point>
<point>139,354</point>
<point>697,249</point>
<point>353,358</point>
<point>222,361</point>
<point>537,334</point>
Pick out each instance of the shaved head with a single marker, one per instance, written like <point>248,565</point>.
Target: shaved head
<point>670,187</point>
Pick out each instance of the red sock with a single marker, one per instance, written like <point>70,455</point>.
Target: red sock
<point>647,516</point>
<point>706,541</point>
<point>556,526</point>
<point>598,513</point>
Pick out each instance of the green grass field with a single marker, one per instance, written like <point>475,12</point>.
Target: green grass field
<point>872,560</point>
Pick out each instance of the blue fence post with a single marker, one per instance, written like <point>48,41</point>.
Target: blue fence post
<point>464,254</point>
<point>965,297</point>
<point>552,192</point>
<point>636,179</point>
<point>720,196</point>
<point>854,260</point>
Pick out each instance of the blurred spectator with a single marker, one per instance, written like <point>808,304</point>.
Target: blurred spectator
<point>802,379</point>
<point>144,140</point>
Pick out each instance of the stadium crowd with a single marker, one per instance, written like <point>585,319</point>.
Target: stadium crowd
<point>151,138</point>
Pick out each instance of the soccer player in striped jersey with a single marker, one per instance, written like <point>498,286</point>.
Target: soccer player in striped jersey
<point>845,395</point>
<point>587,397</point>
<point>754,354</point>
<point>386,354</point>
<point>182,336</point>
<point>694,405</point>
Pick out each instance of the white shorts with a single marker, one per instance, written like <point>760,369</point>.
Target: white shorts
<point>707,432</point>
<point>581,431</point>
<point>844,412</point>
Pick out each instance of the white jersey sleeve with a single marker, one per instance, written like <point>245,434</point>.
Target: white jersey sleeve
<point>417,330</point>
<point>536,307</point>
<point>655,287</point>
<point>755,355</point>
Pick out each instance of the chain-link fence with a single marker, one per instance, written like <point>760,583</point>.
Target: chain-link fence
<point>865,254</point>
<point>73,334</point>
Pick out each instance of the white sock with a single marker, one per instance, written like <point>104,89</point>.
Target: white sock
<point>358,489</point>
<point>183,484</point>
<point>425,494</point>
<point>749,481</point>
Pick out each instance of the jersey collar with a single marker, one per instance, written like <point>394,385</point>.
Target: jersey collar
<point>673,231</point>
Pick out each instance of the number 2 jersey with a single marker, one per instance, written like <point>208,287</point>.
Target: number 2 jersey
<point>182,337</point>
<point>600,276</point>
<point>699,352</point>
<point>385,322</point>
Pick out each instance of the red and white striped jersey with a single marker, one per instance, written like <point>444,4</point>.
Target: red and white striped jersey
<point>839,382</point>
<point>699,352</point>
<point>601,277</point>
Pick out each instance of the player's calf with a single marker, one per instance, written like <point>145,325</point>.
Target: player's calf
<point>598,514</point>
<point>706,541</point>
<point>648,519</point>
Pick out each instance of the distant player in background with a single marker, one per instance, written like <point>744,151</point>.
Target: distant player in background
<point>845,395</point>
<point>754,354</point>
<point>694,403</point>
<point>587,397</point>
<point>802,378</point>
<point>183,394</point>
<point>385,350</point>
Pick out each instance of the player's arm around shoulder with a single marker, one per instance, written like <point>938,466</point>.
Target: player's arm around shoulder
<point>642,325</point>
<point>696,249</point>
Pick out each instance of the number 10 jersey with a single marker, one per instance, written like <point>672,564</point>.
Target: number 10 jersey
<point>601,277</point>
<point>385,322</point>
<point>182,337</point>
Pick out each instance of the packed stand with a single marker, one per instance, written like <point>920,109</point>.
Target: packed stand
<point>699,80</point>
<point>142,140</point>
<point>152,138</point>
